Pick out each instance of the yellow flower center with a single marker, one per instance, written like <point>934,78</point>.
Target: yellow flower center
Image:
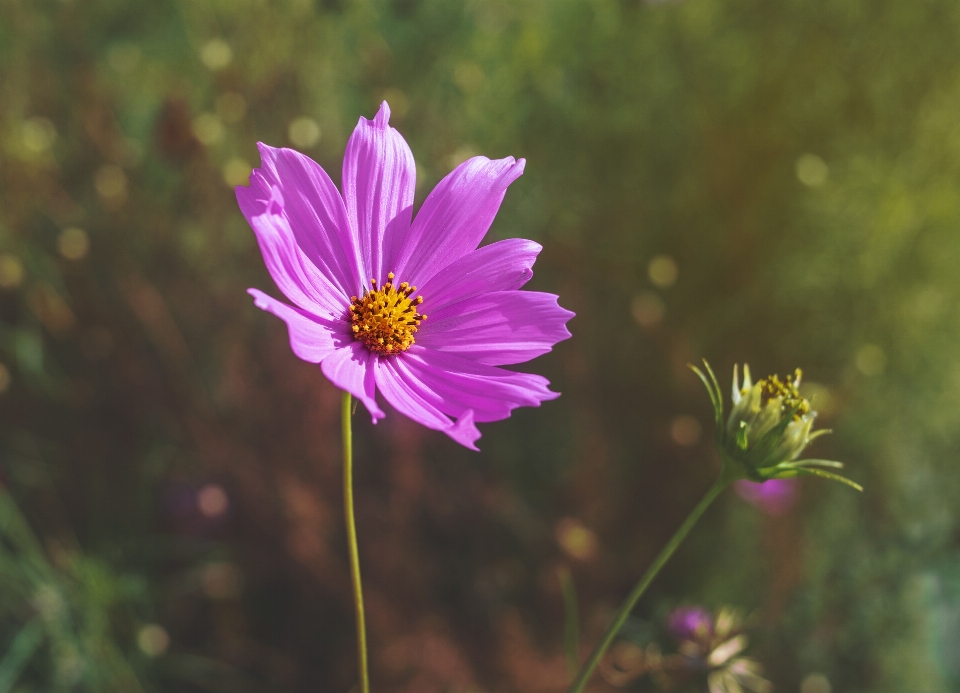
<point>386,319</point>
<point>772,386</point>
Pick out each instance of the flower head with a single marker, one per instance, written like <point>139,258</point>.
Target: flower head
<point>770,424</point>
<point>689,622</point>
<point>362,274</point>
<point>710,652</point>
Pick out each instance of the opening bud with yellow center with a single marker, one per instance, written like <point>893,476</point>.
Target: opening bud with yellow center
<point>770,424</point>
<point>386,319</point>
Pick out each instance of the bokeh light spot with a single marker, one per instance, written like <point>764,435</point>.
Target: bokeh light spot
<point>685,430</point>
<point>11,271</point>
<point>663,271</point>
<point>110,182</point>
<point>153,640</point>
<point>811,170</point>
<point>236,172</point>
<point>576,540</point>
<point>73,243</point>
<point>820,397</point>
<point>216,54</point>
<point>303,132</point>
<point>208,128</point>
<point>38,134</point>
<point>870,360</point>
<point>647,309</point>
<point>212,500</point>
<point>815,683</point>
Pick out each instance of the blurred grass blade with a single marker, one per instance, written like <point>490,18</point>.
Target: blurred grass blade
<point>571,621</point>
<point>18,655</point>
<point>14,526</point>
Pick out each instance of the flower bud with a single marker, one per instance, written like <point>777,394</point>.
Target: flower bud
<point>770,424</point>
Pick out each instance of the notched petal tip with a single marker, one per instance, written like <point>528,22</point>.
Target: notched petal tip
<point>259,298</point>
<point>465,431</point>
<point>275,203</point>
<point>382,119</point>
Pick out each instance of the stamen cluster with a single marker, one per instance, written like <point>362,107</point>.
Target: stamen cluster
<point>772,387</point>
<point>386,319</point>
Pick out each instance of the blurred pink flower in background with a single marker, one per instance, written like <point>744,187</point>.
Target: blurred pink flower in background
<point>690,623</point>
<point>774,497</point>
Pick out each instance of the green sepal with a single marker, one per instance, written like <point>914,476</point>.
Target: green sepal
<point>811,463</point>
<point>740,440</point>
<point>812,471</point>
<point>733,469</point>
<point>716,387</point>
<point>716,398</point>
<point>739,469</point>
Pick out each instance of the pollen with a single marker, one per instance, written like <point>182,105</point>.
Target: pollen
<point>786,389</point>
<point>386,318</point>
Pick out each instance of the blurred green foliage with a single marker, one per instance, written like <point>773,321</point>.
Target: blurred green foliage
<point>775,182</point>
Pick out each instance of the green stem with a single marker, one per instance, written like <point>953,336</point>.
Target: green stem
<point>352,543</point>
<point>591,664</point>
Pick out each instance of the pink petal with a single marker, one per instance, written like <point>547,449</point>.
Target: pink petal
<point>455,216</point>
<point>294,274</point>
<point>379,177</point>
<point>497,328</point>
<point>426,385</point>
<point>461,384</point>
<point>499,266</point>
<point>351,367</point>
<point>407,397</point>
<point>314,209</point>
<point>312,338</point>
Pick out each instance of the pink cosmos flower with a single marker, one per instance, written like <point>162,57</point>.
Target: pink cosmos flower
<point>410,307</point>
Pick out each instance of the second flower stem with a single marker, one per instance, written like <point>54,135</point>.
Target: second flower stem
<point>631,601</point>
<point>346,412</point>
